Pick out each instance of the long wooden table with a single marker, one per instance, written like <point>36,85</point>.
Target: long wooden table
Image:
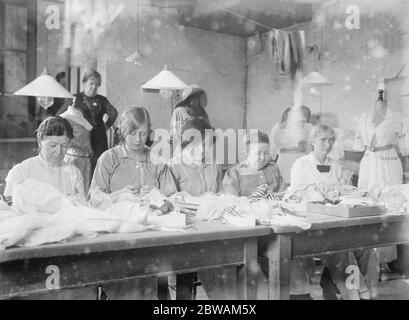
<point>117,257</point>
<point>327,235</point>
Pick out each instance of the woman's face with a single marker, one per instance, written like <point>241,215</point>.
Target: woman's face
<point>323,143</point>
<point>136,140</point>
<point>54,148</point>
<point>91,87</point>
<point>259,155</point>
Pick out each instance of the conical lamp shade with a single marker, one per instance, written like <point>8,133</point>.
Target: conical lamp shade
<point>135,58</point>
<point>164,80</point>
<point>315,79</point>
<point>44,86</point>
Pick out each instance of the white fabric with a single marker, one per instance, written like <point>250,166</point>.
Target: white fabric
<point>304,173</point>
<point>75,115</point>
<point>42,228</point>
<point>66,178</point>
<point>33,196</point>
<point>381,168</point>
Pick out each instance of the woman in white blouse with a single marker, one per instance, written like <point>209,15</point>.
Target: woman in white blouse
<point>53,137</point>
<point>305,170</point>
<point>317,168</point>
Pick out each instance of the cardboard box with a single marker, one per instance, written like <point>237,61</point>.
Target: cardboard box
<point>344,211</point>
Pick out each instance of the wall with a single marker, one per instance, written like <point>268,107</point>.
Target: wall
<point>353,60</point>
<point>49,54</point>
<point>50,51</point>
<point>211,60</point>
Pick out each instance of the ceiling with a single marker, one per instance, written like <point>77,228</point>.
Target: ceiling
<point>239,17</point>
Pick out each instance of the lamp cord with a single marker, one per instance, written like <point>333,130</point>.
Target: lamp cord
<point>137,24</point>
<point>167,34</point>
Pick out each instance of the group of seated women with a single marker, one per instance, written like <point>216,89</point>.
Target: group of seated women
<point>130,168</point>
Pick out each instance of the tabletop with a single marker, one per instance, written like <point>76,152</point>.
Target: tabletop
<point>322,221</point>
<point>203,231</point>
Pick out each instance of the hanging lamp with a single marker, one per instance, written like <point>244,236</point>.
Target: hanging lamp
<point>316,79</point>
<point>45,88</point>
<point>136,57</point>
<point>163,82</point>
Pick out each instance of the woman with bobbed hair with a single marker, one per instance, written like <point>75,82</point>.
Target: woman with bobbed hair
<point>129,167</point>
<point>193,168</point>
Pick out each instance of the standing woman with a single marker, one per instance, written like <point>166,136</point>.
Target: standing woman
<point>382,135</point>
<point>191,106</point>
<point>94,107</point>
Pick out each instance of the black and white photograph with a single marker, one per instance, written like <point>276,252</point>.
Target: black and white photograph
<point>219,151</point>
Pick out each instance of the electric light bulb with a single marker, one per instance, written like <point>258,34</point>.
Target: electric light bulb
<point>45,102</point>
<point>165,93</point>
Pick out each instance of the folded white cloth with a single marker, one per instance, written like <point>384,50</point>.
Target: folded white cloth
<point>75,115</point>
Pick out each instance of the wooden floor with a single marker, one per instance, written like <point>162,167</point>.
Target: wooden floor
<point>392,287</point>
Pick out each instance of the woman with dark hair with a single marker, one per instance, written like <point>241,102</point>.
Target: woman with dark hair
<point>97,110</point>
<point>194,169</point>
<point>129,167</point>
<point>246,178</point>
<point>191,106</point>
<point>53,137</point>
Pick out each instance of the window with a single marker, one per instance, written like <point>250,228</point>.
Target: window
<point>17,67</point>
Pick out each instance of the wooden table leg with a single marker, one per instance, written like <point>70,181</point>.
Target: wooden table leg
<point>247,273</point>
<point>163,288</point>
<point>279,267</point>
<point>184,286</point>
